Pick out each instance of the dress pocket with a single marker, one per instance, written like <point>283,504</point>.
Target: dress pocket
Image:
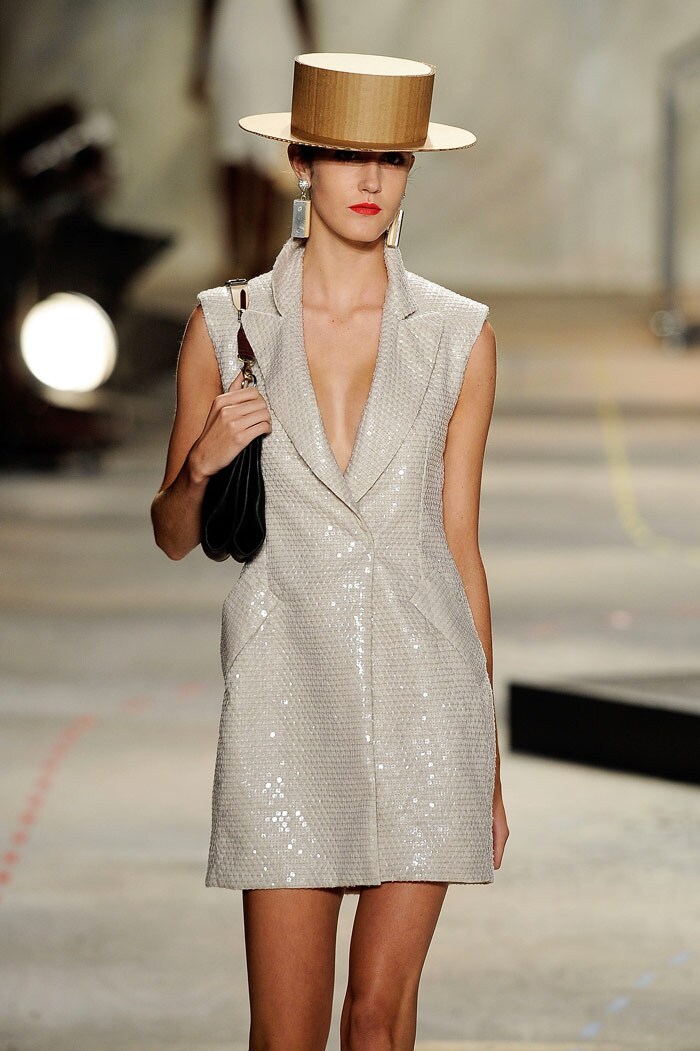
<point>246,609</point>
<point>445,605</point>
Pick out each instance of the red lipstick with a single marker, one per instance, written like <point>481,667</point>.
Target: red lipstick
<point>365,208</point>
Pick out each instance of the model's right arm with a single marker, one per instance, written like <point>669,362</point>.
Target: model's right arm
<point>209,429</point>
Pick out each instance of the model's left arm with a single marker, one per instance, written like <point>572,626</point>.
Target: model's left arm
<point>464,458</point>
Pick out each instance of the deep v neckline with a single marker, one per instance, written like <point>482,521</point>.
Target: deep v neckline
<point>408,346</point>
<point>371,394</point>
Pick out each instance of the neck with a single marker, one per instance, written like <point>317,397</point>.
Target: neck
<point>342,275</point>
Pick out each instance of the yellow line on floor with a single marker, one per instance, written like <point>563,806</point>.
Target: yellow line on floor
<point>621,473</point>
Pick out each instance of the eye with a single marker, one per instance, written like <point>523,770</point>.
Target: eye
<point>393,158</point>
<point>396,160</point>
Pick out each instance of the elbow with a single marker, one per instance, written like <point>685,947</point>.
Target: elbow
<point>175,554</point>
<point>163,539</point>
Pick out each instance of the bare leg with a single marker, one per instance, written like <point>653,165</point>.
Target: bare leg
<point>393,927</point>
<point>290,953</point>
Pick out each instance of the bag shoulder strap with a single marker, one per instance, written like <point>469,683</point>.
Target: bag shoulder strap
<point>238,289</point>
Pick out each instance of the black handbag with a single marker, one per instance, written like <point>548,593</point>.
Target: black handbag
<point>233,506</point>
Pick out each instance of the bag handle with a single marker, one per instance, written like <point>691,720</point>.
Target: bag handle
<point>238,290</point>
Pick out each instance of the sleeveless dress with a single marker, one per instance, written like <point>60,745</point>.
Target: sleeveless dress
<point>357,733</point>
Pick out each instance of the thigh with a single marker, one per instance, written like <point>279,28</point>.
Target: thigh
<point>290,936</point>
<point>393,927</point>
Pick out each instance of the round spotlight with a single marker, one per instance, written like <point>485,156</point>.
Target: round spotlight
<point>68,342</point>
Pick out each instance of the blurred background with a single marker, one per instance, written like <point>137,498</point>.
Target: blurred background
<point>126,189</point>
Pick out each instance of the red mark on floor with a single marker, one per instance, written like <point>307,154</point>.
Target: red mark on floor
<point>50,764</point>
<point>36,797</point>
<point>188,690</point>
<point>135,704</point>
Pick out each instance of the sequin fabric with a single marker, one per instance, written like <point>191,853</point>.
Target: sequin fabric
<point>357,733</point>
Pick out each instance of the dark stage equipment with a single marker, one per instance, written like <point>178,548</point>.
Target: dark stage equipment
<point>644,724</point>
<point>59,362</point>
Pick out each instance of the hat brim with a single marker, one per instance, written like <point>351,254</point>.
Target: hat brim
<point>278,126</point>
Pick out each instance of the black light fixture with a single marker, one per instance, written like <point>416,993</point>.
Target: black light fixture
<point>62,286</point>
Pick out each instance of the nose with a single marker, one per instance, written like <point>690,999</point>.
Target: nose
<point>370,180</point>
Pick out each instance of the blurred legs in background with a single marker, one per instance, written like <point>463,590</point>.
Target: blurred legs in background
<point>243,56</point>
<point>251,201</point>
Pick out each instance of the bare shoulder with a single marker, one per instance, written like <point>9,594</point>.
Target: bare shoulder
<point>487,337</point>
<point>465,446</point>
<point>471,417</point>
<point>482,356</point>
<point>197,365</point>
<point>198,383</point>
<point>197,339</point>
<point>478,390</point>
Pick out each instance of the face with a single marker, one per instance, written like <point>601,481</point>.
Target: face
<point>342,180</point>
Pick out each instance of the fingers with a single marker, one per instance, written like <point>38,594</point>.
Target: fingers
<point>249,393</point>
<point>247,408</point>
<point>250,399</point>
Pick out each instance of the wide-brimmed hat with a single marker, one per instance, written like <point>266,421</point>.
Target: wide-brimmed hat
<point>360,102</point>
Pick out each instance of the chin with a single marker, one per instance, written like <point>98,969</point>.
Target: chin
<point>365,236</point>
<point>359,235</point>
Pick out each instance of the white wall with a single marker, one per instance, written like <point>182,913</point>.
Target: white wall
<point>560,191</point>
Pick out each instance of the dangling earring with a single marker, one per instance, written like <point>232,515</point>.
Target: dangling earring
<point>393,233</point>
<point>301,211</point>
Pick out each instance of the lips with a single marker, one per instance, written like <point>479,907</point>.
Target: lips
<point>365,209</point>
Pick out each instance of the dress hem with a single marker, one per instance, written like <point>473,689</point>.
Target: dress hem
<point>351,888</point>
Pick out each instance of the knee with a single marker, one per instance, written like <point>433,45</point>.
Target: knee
<point>370,1025</point>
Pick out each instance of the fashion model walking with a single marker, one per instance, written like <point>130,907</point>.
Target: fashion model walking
<point>358,749</point>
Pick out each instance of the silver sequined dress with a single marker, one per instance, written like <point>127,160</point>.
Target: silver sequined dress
<point>357,732</point>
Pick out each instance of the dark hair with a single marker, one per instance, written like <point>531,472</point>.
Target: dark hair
<point>308,154</point>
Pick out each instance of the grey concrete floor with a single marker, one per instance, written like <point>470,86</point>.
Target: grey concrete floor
<point>110,692</point>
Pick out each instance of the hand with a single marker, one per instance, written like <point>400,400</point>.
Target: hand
<point>500,827</point>
<point>235,418</point>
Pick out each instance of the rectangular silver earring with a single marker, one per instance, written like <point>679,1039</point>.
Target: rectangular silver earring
<point>301,212</point>
<point>393,233</point>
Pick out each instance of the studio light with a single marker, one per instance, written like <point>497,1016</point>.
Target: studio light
<point>68,342</point>
<point>64,311</point>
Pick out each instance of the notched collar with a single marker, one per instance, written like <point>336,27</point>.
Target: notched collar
<point>287,279</point>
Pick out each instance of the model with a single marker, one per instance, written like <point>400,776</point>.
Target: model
<point>358,749</point>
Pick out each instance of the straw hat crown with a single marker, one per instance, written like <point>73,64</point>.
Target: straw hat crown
<point>360,102</point>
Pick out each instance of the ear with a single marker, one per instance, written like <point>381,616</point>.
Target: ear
<point>300,170</point>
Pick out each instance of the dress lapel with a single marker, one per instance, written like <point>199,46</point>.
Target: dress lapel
<point>408,344</point>
<point>278,342</point>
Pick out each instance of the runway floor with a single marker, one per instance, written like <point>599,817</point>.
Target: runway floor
<point>109,701</point>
